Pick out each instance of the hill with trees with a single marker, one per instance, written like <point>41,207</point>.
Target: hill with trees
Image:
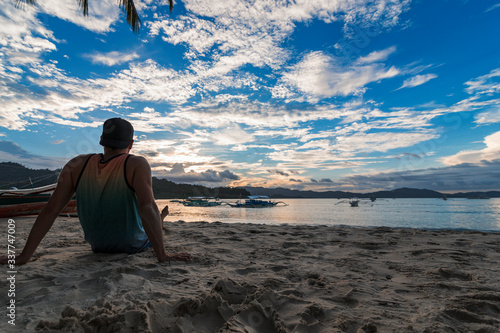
<point>17,175</point>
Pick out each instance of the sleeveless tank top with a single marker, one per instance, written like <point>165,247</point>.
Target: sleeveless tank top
<point>107,207</point>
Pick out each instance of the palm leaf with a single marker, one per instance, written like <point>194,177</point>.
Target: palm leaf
<point>20,3</point>
<point>127,6</point>
<point>84,5</point>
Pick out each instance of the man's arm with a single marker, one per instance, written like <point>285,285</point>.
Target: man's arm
<point>148,210</point>
<point>58,200</point>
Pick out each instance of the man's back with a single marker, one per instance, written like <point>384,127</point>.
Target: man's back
<point>108,207</point>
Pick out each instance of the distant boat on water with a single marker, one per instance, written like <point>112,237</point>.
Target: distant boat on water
<point>354,202</point>
<point>256,201</point>
<point>201,202</point>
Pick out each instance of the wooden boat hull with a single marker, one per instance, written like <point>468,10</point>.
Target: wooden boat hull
<point>22,199</point>
<point>32,208</point>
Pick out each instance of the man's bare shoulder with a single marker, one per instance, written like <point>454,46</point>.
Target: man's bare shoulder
<point>138,172</point>
<point>77,162</point>
<point>135,161</point>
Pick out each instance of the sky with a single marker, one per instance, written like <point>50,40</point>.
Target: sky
<point>350,95</point>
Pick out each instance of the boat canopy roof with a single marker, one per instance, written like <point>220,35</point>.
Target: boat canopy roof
<point>258,197</point>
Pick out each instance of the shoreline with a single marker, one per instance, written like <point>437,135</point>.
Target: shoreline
<point>267,278</point>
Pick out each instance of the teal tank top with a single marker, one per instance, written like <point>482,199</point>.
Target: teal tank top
<point>107,207</point>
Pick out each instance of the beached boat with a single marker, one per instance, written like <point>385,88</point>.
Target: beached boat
<point>201,202</point>
<point>256,201</point>
<point>14,202</point>
<point>354,202</point>
<point>32,208</point>
<point>15,196</point>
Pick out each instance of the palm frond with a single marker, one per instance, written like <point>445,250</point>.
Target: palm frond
<point>127,6</point>
<point>84,5</point>
<point>20,3</point>
<point>133,20</point>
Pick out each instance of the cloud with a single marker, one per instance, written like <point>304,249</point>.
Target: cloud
<point>490,153</point>
<point>12,152</point>
<point>65,96</point>
<point>239,29</point>
<point>102,14</point>
<point>319,76</point>
<point>490,116</point>
<point>461,177</point>
<point>23,39</point>
<point>486,84</point>
<point>417,80</point>
<point>376,56</point>
<point>381,141</point>
<point>112,58</point>
<point>495,6</point>
<point>235,34</point>
<point>178,174</point>
<point>408,156</point>
<point>279,172</point>
<point>233,135</point>
<point>226,174</point>
<point>225,36</point>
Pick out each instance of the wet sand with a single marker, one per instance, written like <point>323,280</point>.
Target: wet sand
<point>262,278</point>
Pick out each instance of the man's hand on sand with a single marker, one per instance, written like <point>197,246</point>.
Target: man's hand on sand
<point>164,213</point>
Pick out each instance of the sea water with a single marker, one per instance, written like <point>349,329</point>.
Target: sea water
<point>469,214</point>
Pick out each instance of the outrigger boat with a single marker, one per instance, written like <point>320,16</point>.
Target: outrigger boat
<point>354,202</point>
<point>256,201</point>
<point>14,202</point>
<point>201,202</point>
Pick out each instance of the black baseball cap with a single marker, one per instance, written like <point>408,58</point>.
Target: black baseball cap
<point>116,133</point>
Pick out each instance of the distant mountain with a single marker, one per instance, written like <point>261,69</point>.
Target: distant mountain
<point>488,194</point>
<point>17,175</point>
<point>407,193</point>
<point>287,193</point>
<point>166,189</point>
<point>397,193</point>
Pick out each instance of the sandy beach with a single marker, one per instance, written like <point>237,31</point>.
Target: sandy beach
<point>261,278</point>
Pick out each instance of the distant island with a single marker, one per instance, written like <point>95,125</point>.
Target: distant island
<point>283,193</point>
<point>17,175</point>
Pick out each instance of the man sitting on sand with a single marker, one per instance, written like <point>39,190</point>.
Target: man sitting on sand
<point>115,201</point>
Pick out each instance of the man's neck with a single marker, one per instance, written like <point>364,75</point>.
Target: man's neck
<point>110,153</point>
